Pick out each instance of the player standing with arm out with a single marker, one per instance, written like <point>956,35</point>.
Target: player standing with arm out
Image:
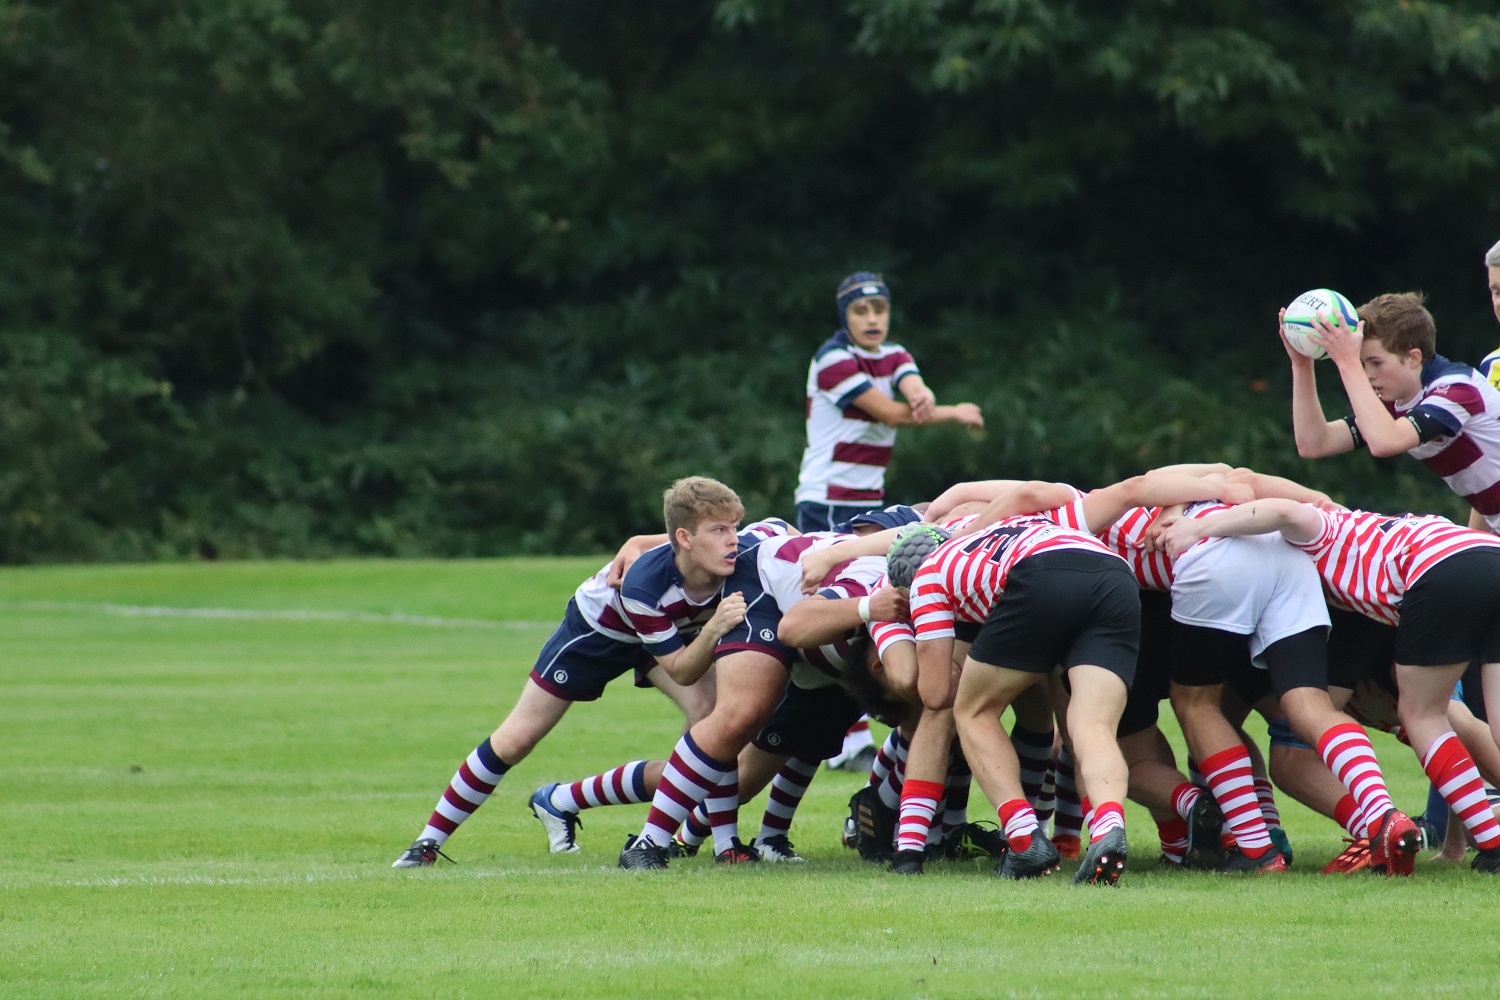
<point>852,410</point>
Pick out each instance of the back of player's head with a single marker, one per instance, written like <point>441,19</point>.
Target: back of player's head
<point>1492,259</point>
<point>859,285</point>
<point>1400,322</point>
<point>689,502</point>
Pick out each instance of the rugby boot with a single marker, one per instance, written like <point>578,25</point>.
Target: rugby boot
<point>736,854</point>
<point>642,855</point>
<point>1205,848</point>
<point>776,848</point>
<point>1237,861</point>
<point>974,840</point>
<point>1487,861</point>
<point>680,848</point>
<point>421,854</point>
<point>1104,862</point>
<point>1355,857</point>
<point>1041,858</point>
<point>876,824</point>
<point>907,863</point>
<point>1394,845</point>
<point>561,826</point>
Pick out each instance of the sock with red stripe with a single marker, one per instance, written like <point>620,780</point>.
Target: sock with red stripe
<point>1265,794</point>
<point>623,785</point>
<point>1174,839</point>
<point>787,789</point>
<point>885,758</point>
<point>1451,770</point>
<point>723,805</point>
<point>1346,814</point>
<point>688,778</point>
<point>471,786</point>
<point>1018,822</point>
<point>1110,816</point>
<point>889,788</point>
<point>1067,821</point>
<point>1347,751</point>
<point>1034,750</point>
<point>695,829</point>
<point>1184,797</point>
<point>919,801</point>
<point>1232,784</point>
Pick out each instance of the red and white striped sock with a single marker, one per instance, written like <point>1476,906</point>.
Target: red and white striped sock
<point>687,779</point>
<point>1034,751</point>
<point>919,801</point>
<point>1110,816</point>
<point>1265,794</point>
<point>1347,751</point>
<point>1232,783</point>
<point>1450,768</point>
<point>623,785</point>
<point>723,805</point>
<point>472,784</point>
<point>1068,819</point>
<point>1018,822</point>
<point>787,789</point>
<point>1174,839</point>
<point>886,757</point>
<point>1347,815</point>
<point>1184,797</point>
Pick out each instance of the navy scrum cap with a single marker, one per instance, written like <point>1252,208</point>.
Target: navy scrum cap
<point>891,517</point>
<point>857,286</point>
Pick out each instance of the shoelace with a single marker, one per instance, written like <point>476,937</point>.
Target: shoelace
<point>1356,851</point>
<point>437,852</point>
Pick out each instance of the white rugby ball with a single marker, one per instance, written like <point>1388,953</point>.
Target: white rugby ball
<point>1297,324</point>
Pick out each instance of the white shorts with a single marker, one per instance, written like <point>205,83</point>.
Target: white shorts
<point>1257,585</point>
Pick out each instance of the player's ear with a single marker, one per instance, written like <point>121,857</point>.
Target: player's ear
<point>683,537</point>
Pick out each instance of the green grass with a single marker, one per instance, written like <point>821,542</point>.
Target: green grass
<point>197,806</point>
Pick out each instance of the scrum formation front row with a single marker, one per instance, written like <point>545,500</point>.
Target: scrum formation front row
<point>1211,588</point>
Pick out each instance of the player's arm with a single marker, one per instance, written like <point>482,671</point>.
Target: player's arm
<point>979,490</point>
<point>921,399</point>
<point>633,549</point>
<point>687,664</point>
<point>1103,507</point>
<point>1197,469</point>
<point>820,620</point>
<point>1022,498</point>
<point>1478,523</point>
<point>818,563</point>
<point>1316,435</point>
<point>935,673</point>
<point>898,661</point>
<point>1382,433</point>
<point>1297,522</point>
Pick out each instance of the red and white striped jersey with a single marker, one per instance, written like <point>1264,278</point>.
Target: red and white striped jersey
<point>964,578</point>
<point>1463,409</point>
<point>847,449</point>
<point>1369,561</point>
<point>1126,538</point>
<point>887,634</point>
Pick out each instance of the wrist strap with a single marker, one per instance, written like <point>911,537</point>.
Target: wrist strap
<point>864,609</point>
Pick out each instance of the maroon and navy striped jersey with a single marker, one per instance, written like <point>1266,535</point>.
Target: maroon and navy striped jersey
<point>1369,561</point>
<point>651,607</point>
<point>847,449</point>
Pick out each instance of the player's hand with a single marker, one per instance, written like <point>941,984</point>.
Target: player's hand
<point>969,415</point>
<point>1181,536</point>
<point>816,565</point>
<point>1298,358</point>
<point>1159,527</point>
<point>889,604</point>
<point>622,562</point>
<point>922,402</point>
<point>1341,343</point>
<point>1235,494</point>
<point>728,615</point>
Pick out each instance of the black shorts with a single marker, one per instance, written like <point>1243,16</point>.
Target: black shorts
<point>1068,607</point>
<point>1360,649</point>
<point>1150,686</point>
<point>810,723</point>
<point>1201,657</point>
<point>1452,614</point>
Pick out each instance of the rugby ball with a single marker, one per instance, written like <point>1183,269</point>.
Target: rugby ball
<point>1297,324</point>
<point>910,550</point>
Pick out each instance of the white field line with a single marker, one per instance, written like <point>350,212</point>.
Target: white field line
<point>376,872</point>
<point>276,614</point>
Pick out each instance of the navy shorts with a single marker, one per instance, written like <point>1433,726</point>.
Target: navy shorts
<point>757,633</point>
<point>810,723</point>
<point>1066,607</point>
<point>814,516</point>
<point>577,662</point>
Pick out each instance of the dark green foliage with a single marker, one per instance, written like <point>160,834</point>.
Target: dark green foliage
<point>304,278</point>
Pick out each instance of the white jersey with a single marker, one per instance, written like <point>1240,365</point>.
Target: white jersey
<point>847,449</point>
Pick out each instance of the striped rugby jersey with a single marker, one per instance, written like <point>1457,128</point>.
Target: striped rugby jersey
<point>847,449</point>
<point>964,578</point>
<point>1126,538</point>
<point>651,607</point>
<point>1467,455</point>
<point>1369,561</point>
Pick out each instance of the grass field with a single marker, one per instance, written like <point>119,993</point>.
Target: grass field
<point>206,771</point>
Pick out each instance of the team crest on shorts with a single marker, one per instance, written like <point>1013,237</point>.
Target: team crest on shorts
<point>768,635</point>
<point>774,739</point>
<point>561,677</point>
